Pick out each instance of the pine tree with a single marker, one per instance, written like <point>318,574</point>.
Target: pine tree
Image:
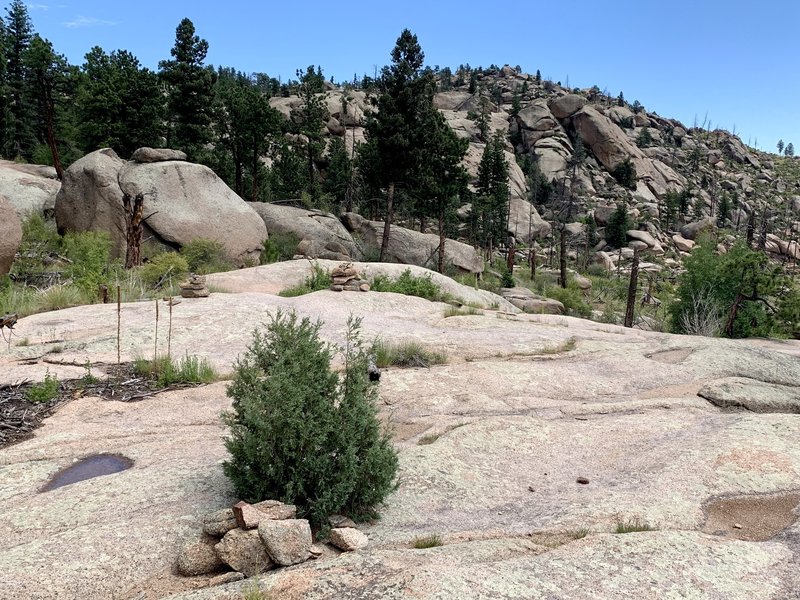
<point>490,208</point>
<point>190,91</point>
<point>309,120</point>
<point>393,133</point>
<point>119,103</point>
<point>780,146</point>
<point>789,150</point>
<point>20,138</point>
<point>618,225</point>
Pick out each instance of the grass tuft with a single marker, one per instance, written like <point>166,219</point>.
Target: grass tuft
<point>166,372</point>
<point>405,354</point>
<point>428,541</point>
<point>462,311</point>
<point>633,525</point>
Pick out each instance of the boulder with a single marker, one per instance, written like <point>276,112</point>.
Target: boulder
<point>682,243</point>
<point>348,539</point>
<point>524,222</point>
<point>690,231</point>
<point>525,300</point>
<point>10,235</point>
<point>287,542</point>
<point>320,234</point>
<point>248,516</point>
<point>90,198</point>
<point>30,189</point>
<point>566,106</point>
<point>643,236</point>
<point>198,557</point>
<point>410,247</point>
<point>151,155</point>
<point>620,115</point>
<point>184,201</point>
<point>243,551</point>
<point>604,260</point>
<point>582,282</point>
<point>537,117</point>
<point>219,522</point>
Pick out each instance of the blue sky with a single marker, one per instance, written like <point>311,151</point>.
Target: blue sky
<point>735,61</point>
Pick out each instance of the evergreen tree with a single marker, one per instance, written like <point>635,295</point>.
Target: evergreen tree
<point>780,146</point>
<point>119,103</point>
<point>338,175</point>
<point>490,208</point>
<point>618,225</point>
<point>309,120</point>
<point>20,137</point>
<point>724,210</point>
<point>393,133</point>
<point>246,130</point>
<point>190,91</point>
<point>789,150</point>
<point>50,81</point>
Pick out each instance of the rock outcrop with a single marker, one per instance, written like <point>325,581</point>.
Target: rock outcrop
<point>10,235</point>
<point>410,247</point>
<point>31,189</point>
<point>182,202</point>
<point>319,234</point>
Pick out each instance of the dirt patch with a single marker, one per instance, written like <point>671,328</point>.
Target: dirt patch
<point>754,518</point>
<point>670,357</point>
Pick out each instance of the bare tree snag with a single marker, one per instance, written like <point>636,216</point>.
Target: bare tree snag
<point>632,289</point>
<point>134,209</point>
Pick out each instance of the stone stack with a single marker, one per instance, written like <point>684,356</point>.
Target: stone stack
<point>254,538</point>
<point>195,287</point>
<point>346,279</point>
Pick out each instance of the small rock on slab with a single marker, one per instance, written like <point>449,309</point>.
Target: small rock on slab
<point>287,542</point>
<point>248,516</point>
<point>339,521</point>
<point>225,578</point>
<point>219,523</point>
<point>582,480</point>
<point>198,557</point>
<point>348,539</point>
<point>243,551</point>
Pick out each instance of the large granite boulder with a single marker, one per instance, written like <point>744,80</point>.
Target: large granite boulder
<point>10,235</point>
<point>320,234</point>
<point>410,247</point>
<point>183,201</point>
<point>28,188</point>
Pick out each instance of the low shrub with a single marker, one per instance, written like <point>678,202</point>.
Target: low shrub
<point>164,270</point>
<point>279,247</point>
<point>302,433</point>
<point>410,285</point>
<point>45,391</point>
<point>319,280</point>
<point>573,300</point>
<point>205,256</point>
<point>89,253</point>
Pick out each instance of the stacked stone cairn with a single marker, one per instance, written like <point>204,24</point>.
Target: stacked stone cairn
<point>195,287</point>
<point>249,539</point>
<point>345,279</point>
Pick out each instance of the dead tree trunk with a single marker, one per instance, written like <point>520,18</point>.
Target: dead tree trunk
<point>388,223</point>
<point>442,240</point>
<point>632,289</point>
<point>562,258</point>
<point>134,209</point>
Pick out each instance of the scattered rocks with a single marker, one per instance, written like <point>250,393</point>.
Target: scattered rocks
<point>243,551</point>
<point>345,279</point>
<point>248,516</point>
<point>195,287</point>
<point>287,542</point>
<point>219,523</point>
<point>348,539</point>
<point>682,243</point>
<point>198,557</point>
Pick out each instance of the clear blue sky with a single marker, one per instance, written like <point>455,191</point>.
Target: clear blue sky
<point>735,60</point>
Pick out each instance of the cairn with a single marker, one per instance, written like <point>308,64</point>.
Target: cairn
<point>195,287</point>
<point>345,279</point>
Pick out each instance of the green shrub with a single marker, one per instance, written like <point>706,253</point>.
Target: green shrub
<point>507,279</point>
<point>410,285</point>
<point>90,253</point>
<point>300,432</point>
<point>573,300</point>
<point>319,280</point>
<point>45,391</point>
<point>618,225</point>
<point>625,174</point>
<point>205,256</point>
<point>279,247</point>
<point>164,270</point>
<point>405,354</point>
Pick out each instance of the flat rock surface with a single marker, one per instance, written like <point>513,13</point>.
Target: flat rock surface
<point>491,447</point>
<point>753,395</point>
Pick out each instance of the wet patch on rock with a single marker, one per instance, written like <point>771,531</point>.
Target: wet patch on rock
<point>674,356</point>
<point>753,395</point>
<point>754,518</point>
<point>90,467</point>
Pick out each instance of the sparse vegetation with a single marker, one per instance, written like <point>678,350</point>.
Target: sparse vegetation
<point>319,280</point>
<point>279,247</point>
<point>410,285</point>
<point>205,256</point>
<point>632,525</point>
<point>166,372</point>
<point>461,311</point>
<point>406,353</point>
<point>433,540</point>
<point>45,391</point>
<point>581,533</point>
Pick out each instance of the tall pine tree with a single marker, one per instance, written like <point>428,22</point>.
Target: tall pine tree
<point>20,136</point>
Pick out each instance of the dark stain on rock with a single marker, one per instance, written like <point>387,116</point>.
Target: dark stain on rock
<point>96,465</point>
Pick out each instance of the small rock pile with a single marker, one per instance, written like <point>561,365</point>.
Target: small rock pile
<point>254,538</point>
<point>346,279</point>
<point>195,287</point>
